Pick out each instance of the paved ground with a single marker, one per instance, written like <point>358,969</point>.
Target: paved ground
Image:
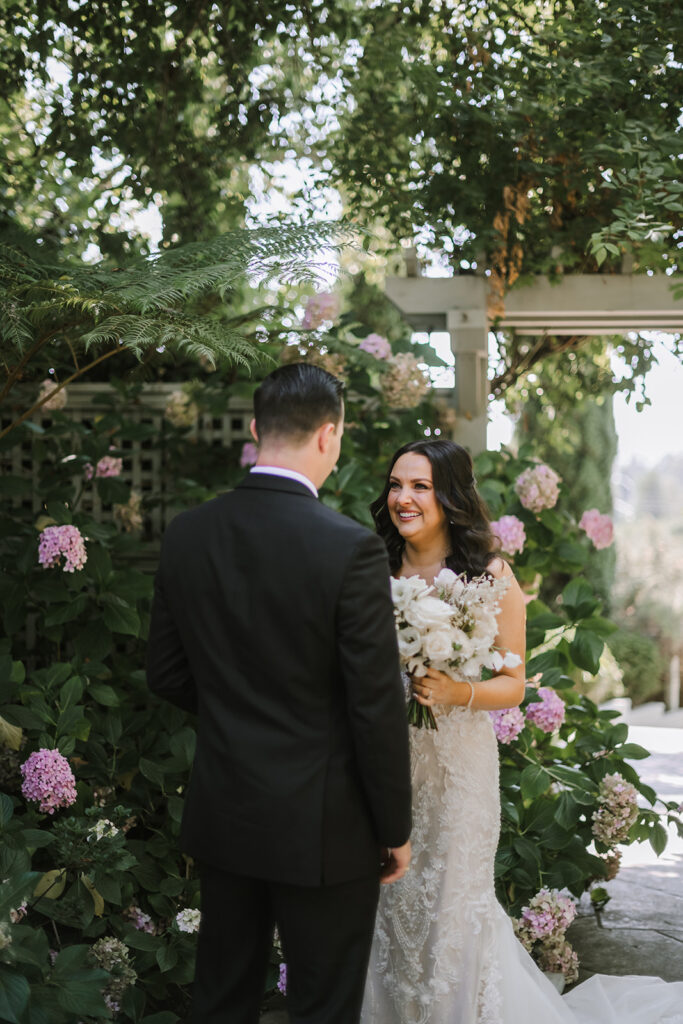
<point>640,931</point>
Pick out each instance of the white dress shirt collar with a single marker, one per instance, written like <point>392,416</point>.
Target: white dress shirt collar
<point>290,474</point>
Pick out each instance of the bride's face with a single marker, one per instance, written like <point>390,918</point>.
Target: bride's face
<point>413,506</point>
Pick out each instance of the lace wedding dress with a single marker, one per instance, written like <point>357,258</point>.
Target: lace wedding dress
<point>444,950</point>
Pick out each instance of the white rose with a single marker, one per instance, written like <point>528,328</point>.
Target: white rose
<point>429,612</point>
<point>407,589</point>
<point>409,641</point>
<point>438,645</point>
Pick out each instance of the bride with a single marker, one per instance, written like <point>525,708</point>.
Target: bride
<point>444,951</point>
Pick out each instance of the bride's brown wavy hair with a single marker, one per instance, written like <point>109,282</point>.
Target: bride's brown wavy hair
<point>472,543</point>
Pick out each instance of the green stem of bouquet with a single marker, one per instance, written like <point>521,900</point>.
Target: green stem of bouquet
<point>421,716</point>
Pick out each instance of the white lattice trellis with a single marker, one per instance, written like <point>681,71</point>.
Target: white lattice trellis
<point>142,458</point>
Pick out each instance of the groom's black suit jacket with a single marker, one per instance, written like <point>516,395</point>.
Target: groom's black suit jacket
<point>272,619</point>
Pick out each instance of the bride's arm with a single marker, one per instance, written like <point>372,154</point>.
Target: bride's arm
<point>504,690</point>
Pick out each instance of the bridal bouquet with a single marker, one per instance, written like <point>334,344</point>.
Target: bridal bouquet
<point>450,626</point>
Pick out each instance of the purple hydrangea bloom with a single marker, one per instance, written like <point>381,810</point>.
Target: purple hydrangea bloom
<point>548,713</point>
<point>282,981</point>
<point>507,724</point>
<point>376,346</point>
<point>49,780</point>
<point>56,541</point>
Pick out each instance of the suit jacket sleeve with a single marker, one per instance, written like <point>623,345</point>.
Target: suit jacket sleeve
<point>368,657</point>
<point>168,670</point>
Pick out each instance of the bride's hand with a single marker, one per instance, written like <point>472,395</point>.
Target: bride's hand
<point>438,688</point>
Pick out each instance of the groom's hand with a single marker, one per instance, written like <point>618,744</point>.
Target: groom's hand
<point>394,863</point>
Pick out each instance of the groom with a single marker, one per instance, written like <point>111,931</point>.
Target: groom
<point>272,619</point>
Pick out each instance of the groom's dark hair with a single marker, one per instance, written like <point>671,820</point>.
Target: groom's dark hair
<point>295,400</point>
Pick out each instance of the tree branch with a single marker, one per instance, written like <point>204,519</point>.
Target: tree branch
<point>51,394</point>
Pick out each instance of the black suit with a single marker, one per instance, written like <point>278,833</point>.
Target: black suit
<point>272,619</point>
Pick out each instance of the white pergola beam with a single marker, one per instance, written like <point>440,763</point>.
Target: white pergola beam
<point>577,304</point>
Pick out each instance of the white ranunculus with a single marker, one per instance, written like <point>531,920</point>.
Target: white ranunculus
<point>409,641</point>
<point>429,613</point>
<point>438,645</point>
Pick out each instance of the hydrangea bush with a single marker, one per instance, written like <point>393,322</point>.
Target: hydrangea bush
<point>99,910</point>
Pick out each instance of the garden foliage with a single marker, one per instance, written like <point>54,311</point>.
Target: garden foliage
<point>98,913</point>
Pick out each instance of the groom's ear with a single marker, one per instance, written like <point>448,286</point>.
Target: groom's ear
<point>325,434</point>
<point>252,430</point>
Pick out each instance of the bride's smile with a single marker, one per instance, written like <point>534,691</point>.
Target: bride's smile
<point>411,501</point>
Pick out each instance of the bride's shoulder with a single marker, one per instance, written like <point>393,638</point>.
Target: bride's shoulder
<point>498,568</point>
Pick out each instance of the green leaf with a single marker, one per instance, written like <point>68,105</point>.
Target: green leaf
<point>70,692</point>
<point>567,810</point>
<point>165,1017</point>
<point>99,563</point>
<point>72,958</point>
<point>167,957</point>
<point>94,641</point>
<point>578,598</point>
<point>617,734</point>
<point>585,650</point>
<point>35,838</point>
<point>545,660</point>
<point>61,613</point>
<point>81,993</point>
<point>104,694</point>
<point>142,940</point>
<point>14,995</point>
<point>632,752</point>
<point>152,771</point>
<point>534,781</point>
<point>658,838</point>
<point>6,809</point>
<point>121,618</point>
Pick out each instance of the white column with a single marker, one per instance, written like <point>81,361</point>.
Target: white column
<point>674,695</point>
<point>468,329</point>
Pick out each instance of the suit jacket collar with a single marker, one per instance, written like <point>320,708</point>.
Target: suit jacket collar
<point>271,482</point>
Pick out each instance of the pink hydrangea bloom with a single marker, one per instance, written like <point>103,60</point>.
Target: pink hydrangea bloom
<point>549,913</point>
<point>618,810</point>
<point>537,487</point>
<point>107,466</point>
<point>56,541</point>
<point>599,527</point>
<point>282,980</point>
<point>48,779</point>
<point>249,454</point>
<point>507,724</point>
<point>376,345</point>
<point>319,308</point>
<point>510,532</point>
<point>548,713</point>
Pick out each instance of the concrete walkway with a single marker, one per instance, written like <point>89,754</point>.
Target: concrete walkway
<point>640,931</point>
